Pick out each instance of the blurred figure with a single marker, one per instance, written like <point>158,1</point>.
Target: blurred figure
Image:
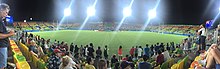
<point>99,52</point>
<point>67,63</point>
<point>102,64</point>
<point>140,52</point>
<point>160,58</point>
<point>91,50</point>
<point>54,60</point>
<point>89,64</point>
<point>4,34</point>
<point>202,32</point>
<point>114,60</point>
<point>132,51</point>
<point>144,64</point>
<point>147,50</point>
<point>106,52</point>
<point>120,53</point>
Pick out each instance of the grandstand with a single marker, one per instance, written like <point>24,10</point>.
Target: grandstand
<point>90,35</point>
<point>118,34</point>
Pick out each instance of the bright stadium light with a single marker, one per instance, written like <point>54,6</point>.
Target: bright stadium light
<point>67,12</point>
<point>31,18</point>
<point>127,11</point>
<point>25,21</point>
<point>152,14</point>
<point>91,11</point>
<point>219,9</point>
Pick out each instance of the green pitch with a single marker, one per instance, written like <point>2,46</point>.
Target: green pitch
<point>126,39</point>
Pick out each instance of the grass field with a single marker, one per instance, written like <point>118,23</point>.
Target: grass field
<point>126,39</point>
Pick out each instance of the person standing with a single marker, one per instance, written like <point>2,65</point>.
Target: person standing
<point>140,52</point>
<point>4,34</point>
<point>120,53</point>
<point>91,50</point>
<point>147,50</point>
<point>71,47</point>
<point>99,52</point>
<point>106,52</point>
<point>132,52</point>
<point>202,38</point>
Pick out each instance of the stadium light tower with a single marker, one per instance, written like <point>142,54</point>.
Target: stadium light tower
<point>127,11</point>
<point>67,12</point>
<point>91,11</point>
<point>152,13</point>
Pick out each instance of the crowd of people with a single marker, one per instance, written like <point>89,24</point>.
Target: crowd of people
<point>63,56</point>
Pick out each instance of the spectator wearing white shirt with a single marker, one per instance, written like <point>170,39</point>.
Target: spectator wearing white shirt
<point>67,63</point>
<point>139,52</point>
<point>166,55</point>
<point>202,32</point>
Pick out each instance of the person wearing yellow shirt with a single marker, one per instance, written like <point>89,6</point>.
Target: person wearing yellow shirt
<point>89,64</point>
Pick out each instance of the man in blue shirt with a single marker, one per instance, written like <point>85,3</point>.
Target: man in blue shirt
<point>4,34</point>
<point>144,64</point>
<point>147,50</point>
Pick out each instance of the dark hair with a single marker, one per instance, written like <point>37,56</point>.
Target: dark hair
<point>203,25</point>
<point>114,56</point>
<point>124,64</point>
<point>99,47</point>
<point>127,56</point>
<point>102,64</point>
<point>159,52</point>
<point>89,60</point>
<point>4,6</point>
<point>188,35</point>
<point>147,45</point>
<point>145,57</point>
<point>130,59</point>
<point>120,47</point>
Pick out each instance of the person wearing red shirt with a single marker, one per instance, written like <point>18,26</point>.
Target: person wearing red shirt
<point>120,53</point>
<point>160,58</point>
<point>132,51</point>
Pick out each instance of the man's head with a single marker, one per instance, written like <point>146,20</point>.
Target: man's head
<point>202,26</point>
<point>58,52</point>
<point>145,57</point>
<point>4,10</point>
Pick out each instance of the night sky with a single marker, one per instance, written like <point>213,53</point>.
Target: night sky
<point>169,11</point>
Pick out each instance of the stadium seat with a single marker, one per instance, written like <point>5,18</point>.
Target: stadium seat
<point>41,64</point>
<point>175,66</point>
<point>164,65</point>
<point>23,65</point>
<point>171,62</point>
<point>185,61</point>
<point>197,58</point>
<point>181,65</point>
<point>45,58</point>
<point>158,67</point>
<point>34,60</point>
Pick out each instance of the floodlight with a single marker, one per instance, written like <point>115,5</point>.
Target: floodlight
<point>25,21</point>
<point>219,9</point>
<point>31,18</point>
<point>127,11</point>
<point>152,14</point>
<point>67,12</point>
<point>91,11</point>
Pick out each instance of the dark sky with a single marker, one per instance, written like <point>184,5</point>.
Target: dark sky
<point>169,11</point>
